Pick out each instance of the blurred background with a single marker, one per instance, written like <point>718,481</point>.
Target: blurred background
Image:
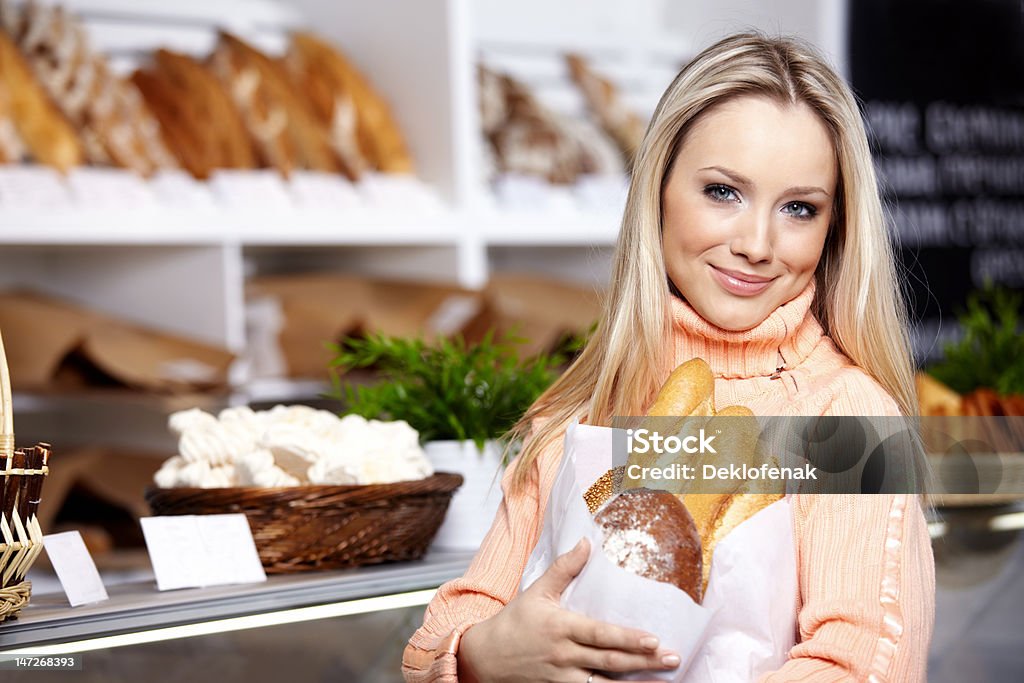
<point>196,196</point>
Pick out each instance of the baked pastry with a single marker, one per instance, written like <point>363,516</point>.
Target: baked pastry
<point>287,133</point>
<point>525,137</point>
<point>11,147</point>
<point>624,126</point>
<point>30,124</point>
<point>107,111</point>
<point>689,391</point>
<point>935,398</point>
<point>198,120</point>
<point>651,534</point>
<point>606,486</point>
<point>342,96</point>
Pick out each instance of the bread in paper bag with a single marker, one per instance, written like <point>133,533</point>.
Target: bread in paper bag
<point>603,590</point>
<point>748,558</point>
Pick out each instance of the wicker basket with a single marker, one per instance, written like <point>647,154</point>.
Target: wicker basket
<point>21,483</point>
<point>299,528</point>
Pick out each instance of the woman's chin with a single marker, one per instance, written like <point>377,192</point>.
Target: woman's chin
<point>735,320</point>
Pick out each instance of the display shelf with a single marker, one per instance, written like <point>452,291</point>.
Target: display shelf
<point>256,12</point>
<point>550,228</point>
<point>343,228</point>
<point>43,401</point>
<point>163,226</point>
<point>174,254</point>
<point>283,390</point>
<point>151,226</point>
<point>136,612</point>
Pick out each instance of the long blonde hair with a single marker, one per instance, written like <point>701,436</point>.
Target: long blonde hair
<point>857,300</point>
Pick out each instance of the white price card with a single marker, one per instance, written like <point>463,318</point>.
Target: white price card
<point>191,551</point>
<point>24,185</point>
<point>179,189</point>
<point>75,568</point>
<point>391,190</point>
<point>262,189</point>
<point>323,190</point>
<point>109,188</point>
<point>518,192</point>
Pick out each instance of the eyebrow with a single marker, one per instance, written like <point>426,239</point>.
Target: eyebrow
<point>741,179</point>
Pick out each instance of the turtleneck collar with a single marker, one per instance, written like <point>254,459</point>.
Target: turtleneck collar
<point>783,340</point>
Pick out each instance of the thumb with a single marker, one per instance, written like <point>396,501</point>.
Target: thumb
<point>563,570</point>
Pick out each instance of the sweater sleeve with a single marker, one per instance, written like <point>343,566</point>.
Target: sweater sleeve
<point>866,574</point>
<point>492,579</point>
<point>867,587</point>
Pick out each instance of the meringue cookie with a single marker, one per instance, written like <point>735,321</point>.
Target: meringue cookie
<point>248,466</point>
<point>288,446</point>
<point>167,476</point>
<point>189,420</point>
<point>333,473</point>
<point>273,477</point>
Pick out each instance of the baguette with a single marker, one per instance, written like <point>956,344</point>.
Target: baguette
<point>689,393</point>
<point>106,111</point>
<point>198,120</point>
<point>36,126</point>
<point>282,122</point>
<point>602,97</point>
<point>342,96</point>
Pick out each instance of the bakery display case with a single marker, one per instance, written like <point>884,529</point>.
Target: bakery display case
<point>196,229</point>
<point>137,613</point>
<point>181,195</point>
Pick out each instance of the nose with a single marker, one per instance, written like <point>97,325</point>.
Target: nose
<point>753,237</point>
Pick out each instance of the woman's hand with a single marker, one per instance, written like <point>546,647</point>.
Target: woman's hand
<point>533,639</point>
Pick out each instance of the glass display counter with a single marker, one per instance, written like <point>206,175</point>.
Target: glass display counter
<point>138,613</point>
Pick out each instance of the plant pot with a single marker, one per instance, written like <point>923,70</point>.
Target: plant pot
<point>475,503</point>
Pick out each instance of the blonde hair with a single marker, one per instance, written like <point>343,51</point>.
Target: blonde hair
<point>857,299</point>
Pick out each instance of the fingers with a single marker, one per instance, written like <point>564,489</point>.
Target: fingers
<point>596,659</point>
<point>563,570</point>
<point>600,634</point>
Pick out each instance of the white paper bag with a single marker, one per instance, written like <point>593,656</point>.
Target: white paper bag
<point>752,591</point>
<point>747,622</point>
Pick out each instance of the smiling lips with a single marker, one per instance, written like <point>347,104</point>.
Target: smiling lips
<point>741,284</point>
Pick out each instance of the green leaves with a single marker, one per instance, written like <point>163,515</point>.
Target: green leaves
<point>991,352</point>
<point>445,390</point>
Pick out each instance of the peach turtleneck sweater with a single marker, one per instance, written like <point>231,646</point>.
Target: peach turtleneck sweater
<point>864,563</point>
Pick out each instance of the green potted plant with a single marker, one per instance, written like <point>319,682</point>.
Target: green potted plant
<point>990,352</point>
<point>461,397</point>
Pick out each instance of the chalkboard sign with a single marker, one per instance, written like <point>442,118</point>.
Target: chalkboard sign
<point>943,86</point>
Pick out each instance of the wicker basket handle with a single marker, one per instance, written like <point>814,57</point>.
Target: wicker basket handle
<point>6,413</point>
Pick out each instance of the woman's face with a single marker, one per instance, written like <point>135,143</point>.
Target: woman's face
<point>746,209</point>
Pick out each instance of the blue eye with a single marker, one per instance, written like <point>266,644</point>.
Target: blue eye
<point>800,210</point>
<point>720,193</point>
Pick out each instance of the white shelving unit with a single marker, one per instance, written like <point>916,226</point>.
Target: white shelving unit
<point>181,265</point>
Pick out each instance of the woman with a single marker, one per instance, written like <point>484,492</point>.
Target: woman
<point>754,238</point>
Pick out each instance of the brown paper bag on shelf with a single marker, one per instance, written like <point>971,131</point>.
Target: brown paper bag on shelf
<point>99,493</point>
<point>542,310</point>
<point>41,333</point>
<point>407,309</point>
<point>316,309</point>
<point>55,345</point>
<point>324,307</point>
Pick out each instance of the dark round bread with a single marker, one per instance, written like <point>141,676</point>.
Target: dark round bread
<point>652,534</point>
